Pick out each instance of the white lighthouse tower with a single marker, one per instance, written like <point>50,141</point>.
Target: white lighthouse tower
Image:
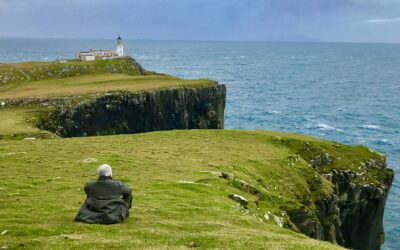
<point>120,47</point>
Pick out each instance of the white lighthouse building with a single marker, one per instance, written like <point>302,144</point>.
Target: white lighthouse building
<point>120,47</point>
<point>92,55</point>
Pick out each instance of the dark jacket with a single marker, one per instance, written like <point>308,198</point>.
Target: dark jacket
<point>107,202</point>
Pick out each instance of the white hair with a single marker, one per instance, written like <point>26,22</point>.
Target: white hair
<point>104,170</point>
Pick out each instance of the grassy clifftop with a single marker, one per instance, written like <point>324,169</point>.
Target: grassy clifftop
<point>69,78</point>
<point>34,84</point>
<point>36,71</point>
<point>181,195</point>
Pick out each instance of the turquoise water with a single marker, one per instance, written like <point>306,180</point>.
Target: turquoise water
<point>342,92</point>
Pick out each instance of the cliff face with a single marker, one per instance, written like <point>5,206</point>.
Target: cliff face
<point>129,112</point>
<point>360,210</point>
<point>352,215</point>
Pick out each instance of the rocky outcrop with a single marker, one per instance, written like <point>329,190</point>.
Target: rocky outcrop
<point>361,208</point>
<point>135,112</point>
<point>352,215</point>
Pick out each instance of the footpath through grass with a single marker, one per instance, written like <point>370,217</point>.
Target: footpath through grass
<point>179,197</point>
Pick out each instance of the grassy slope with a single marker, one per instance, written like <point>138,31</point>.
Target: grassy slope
<point>176,200</point>
<point>35,71</point>
<point>55,79</point>
<point>18,123</point>
<point>94,83</point>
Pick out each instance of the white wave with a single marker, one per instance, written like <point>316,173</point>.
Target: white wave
<point>369,126</point>
<point>323,126</point>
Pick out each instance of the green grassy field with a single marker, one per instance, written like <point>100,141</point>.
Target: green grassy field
<point>95,83</point>
<point>178,196</point>
<point>73,77</point>
<point>35,71</point>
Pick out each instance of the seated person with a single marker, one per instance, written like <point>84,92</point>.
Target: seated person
<point>107,202</point>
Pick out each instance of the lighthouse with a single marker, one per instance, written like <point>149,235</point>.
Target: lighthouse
<point>120,47</point>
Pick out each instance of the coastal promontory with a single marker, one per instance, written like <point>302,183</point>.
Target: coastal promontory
<point>195,184</point>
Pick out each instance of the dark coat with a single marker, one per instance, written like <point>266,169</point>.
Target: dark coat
<point>107,202</point>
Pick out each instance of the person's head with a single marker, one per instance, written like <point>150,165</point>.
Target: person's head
<point>104,170</point>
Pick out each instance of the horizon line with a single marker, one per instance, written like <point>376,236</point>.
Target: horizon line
<point>202,40</point>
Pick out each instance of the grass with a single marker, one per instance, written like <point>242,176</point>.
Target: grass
<point>34,71</point>
<point>179,195</point>
<point>18,123</point>
<point>178,198</point>
<point>96,83</point>
<point>74,77</point>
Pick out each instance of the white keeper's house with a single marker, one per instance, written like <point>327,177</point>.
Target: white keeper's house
<point>92,55</point>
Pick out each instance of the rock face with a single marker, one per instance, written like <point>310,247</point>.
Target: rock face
<point>128,112</point>
<point>352,216</point>
<point>360,211</point>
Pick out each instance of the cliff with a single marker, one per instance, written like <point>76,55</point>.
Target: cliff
<point>352,214</point>
<point>128,113</point>
<point>103,97</point>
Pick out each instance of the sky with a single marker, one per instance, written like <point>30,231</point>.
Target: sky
<point>219,20</point>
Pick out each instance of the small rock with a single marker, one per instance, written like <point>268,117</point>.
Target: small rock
<point>240,199</point>
<point>278,221</point>
<point>213,173</point>
<point>226,175</point>
<point>193,244</point>
<point>266,216</point>
<point>4,232</point>
<point>187,182</point>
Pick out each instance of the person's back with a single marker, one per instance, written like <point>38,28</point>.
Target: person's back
<point>107,201</point>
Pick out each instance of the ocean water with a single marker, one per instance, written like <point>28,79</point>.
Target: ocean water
<point>343,92</point>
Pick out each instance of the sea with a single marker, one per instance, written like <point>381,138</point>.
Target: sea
<point>346,92</point>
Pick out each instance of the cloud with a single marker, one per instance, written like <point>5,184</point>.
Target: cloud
<point>383,20</point>
<point>328,20</point>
